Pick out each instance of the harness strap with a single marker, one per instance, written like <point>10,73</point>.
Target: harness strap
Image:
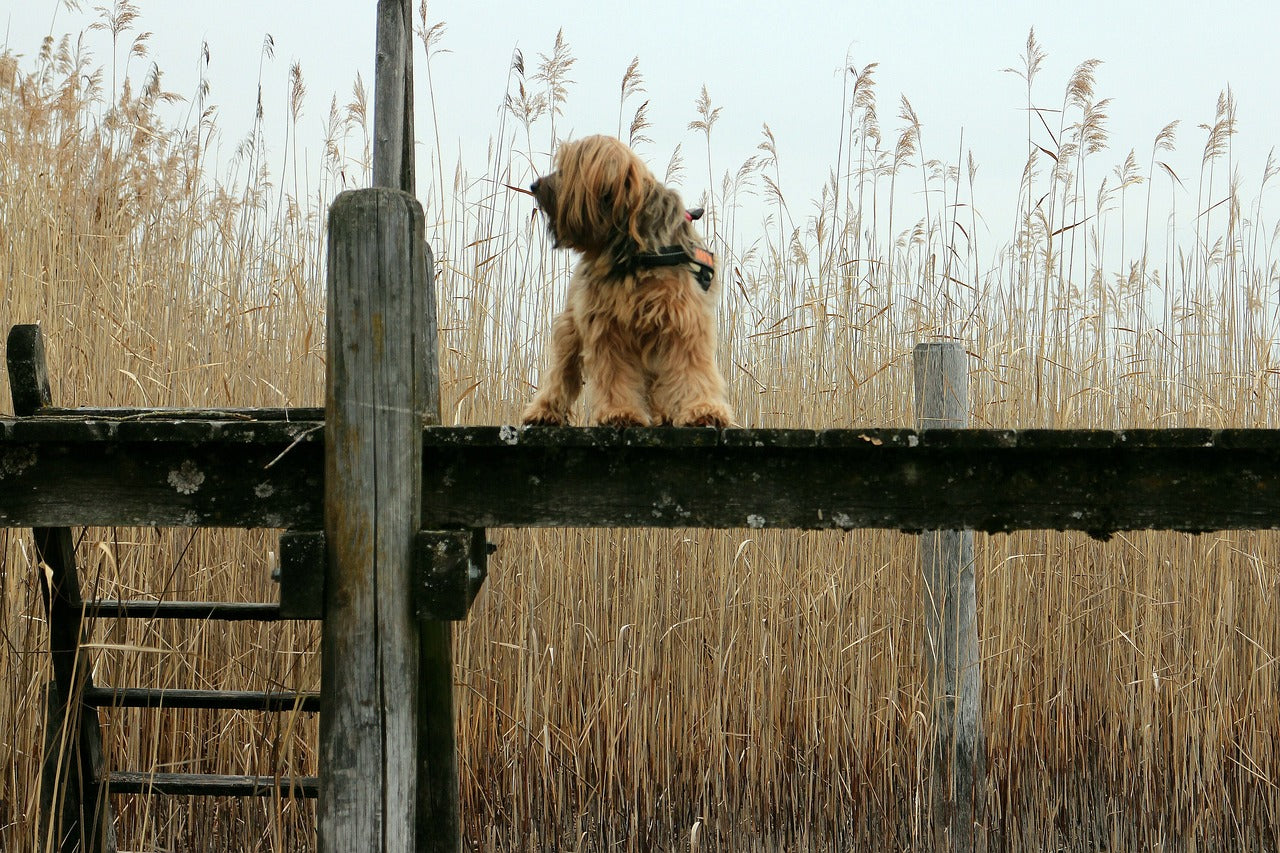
<point>702,261</point>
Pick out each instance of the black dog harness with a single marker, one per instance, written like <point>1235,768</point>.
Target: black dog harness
<point>702,262</point>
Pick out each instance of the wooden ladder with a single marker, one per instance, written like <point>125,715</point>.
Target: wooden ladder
<point>75,781</point>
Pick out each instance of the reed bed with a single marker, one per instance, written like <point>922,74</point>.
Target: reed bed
<point>683,690</point>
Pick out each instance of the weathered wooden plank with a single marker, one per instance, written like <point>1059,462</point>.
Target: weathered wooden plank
<point>870,438</point>
<point>73,807</point>
<point>227,700</point>
<point>72,473</point>
<point>160,426</point>
<point>224,611</point>
<point>941,373</point>
<point>60,473</point>
<point>438,819</point>
<point>373,452</point>
<point>213,785</point>
<point>993,481</point>
<point>242,415</point>
<point>437,810</point>
<point>63,429</point>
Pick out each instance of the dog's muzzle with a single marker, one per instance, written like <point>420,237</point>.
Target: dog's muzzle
<point>543,189</point>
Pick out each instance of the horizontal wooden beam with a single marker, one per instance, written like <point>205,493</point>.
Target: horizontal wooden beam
<point>224,700</point>
<point>243,415</point>
<point>990,480</point>
<point>211,785</point>
<point>66,470</point>
<point>241,472</point>
<point>226,611</point>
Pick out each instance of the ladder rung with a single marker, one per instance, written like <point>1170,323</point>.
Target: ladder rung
<point>221,610</point>
<point>211,785</point>
<point>241,700</point>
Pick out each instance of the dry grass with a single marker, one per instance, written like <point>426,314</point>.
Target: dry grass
<point>685,690</point>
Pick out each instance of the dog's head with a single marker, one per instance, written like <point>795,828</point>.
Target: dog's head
<point>604,202</point>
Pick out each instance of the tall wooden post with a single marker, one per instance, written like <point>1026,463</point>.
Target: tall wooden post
<point>389,769</point>
<point>438,824</point>
<point>74,810</point>
<point>393,97</point>
<point>951,626</point>
<point>378,347</point>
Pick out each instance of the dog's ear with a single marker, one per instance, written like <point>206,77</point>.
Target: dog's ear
<point>631,194</point>
<point>598,183</point>
<point>660,218</point>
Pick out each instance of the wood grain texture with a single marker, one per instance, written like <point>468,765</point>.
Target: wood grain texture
<point>373,458</point>
<point>438,823</point>
<point>221,611</point>
<point>213,785</point>
<point>172,697</point>
<point>986,480</point>
<point>196,473</point>
<point>941,374</point>
<point>393,97</point>
<point>28,369</point>
<point>123,414</point>
<point>176,473</point>
<point>73,804</point>
<point>449,568</point>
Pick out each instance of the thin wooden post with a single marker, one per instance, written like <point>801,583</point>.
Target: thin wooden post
<point>437,819</point>
<point>377,348</point>
<point>73,802</point>
<point>393,97</point>
<point>951,627</point>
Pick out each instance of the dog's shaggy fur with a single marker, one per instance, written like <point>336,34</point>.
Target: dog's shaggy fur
<point>644,337</point>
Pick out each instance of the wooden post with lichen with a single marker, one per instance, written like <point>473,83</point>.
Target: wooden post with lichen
<point>75,814</point>
<point>372,505</point>
<point>951,627</point>
<point>389,772</point>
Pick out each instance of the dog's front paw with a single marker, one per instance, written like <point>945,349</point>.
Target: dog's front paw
<point>539,413</point>
<point>716,415</point>
<point>621,418</point>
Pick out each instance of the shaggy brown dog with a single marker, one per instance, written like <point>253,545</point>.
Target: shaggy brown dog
<point>640,321</point>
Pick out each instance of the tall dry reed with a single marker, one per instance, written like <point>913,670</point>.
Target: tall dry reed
<point>735,690</point>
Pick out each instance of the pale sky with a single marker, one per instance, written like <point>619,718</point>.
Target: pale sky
<point>779,63</point>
